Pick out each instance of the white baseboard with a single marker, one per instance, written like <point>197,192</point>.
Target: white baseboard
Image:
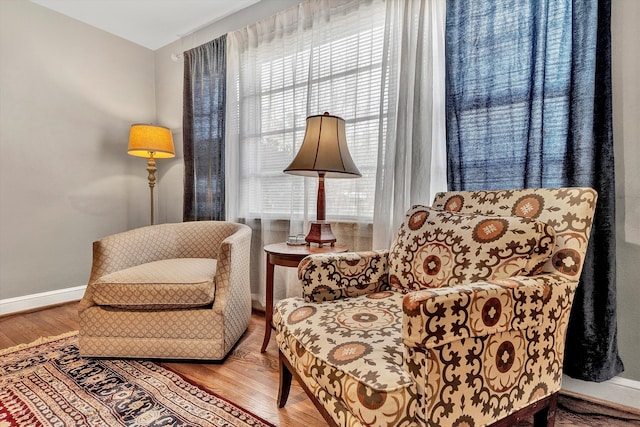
<point>30,302</point>
<point>617,390</point>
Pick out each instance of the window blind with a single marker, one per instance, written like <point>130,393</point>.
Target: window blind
<point>335,68</point>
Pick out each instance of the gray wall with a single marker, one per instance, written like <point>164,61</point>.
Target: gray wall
<point>68,93</point>
<point>625,33</point>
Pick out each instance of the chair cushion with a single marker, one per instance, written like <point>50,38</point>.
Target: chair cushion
<point>435,248</point>
<point>352,348</point>
<point>164,284</point>
<point>361,335</point>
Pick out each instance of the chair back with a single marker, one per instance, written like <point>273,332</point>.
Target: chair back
<point>568,210</point>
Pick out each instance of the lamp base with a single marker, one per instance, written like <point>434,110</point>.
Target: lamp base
<point>320,233</point>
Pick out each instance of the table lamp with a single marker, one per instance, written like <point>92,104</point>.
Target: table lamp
<point>324,153</point>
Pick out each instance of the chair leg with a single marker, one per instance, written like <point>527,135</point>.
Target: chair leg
<point>543,412</point>
<point>546,417</point>
<point>285,381</point>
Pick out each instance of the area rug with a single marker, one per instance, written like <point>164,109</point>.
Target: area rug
<point>47,383</point>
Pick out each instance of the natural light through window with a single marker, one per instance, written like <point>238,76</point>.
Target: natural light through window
<point>341,75</point>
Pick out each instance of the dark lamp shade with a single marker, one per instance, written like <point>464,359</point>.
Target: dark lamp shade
<point>146,139</point>
<point>324,149</point>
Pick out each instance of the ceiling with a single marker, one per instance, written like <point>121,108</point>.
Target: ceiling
<point>149,23</point>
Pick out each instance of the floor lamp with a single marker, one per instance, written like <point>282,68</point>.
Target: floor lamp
<point>324,153</point>
<point>151,142</point>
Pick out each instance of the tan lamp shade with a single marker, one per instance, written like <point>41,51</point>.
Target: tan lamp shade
<point>146,139</point>
<point>324,149</point>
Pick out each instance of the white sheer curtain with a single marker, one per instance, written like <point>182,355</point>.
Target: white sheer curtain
<point>412,155</point>
<point>346,57</point>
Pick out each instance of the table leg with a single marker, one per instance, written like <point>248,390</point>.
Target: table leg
<point>268,310</point>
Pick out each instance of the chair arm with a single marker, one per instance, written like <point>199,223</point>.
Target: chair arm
<point>433,317</point>
<point>233,288</point>
<point>233,272</point>
<point>327,277</point>
<point>124,250</point>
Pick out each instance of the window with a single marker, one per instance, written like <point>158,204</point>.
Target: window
<point>296,75</point>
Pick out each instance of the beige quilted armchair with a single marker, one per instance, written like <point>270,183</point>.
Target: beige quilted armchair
<point>178,291</point>
<point>461,322</point>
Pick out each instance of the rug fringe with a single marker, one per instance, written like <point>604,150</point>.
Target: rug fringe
<point>41,340</point>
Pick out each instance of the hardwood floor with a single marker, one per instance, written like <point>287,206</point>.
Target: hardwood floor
<point>250,378</point>
<point>247,377</point>
<point>24,328</point>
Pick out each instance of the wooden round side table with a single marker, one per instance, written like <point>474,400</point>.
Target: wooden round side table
<point>287,256</point>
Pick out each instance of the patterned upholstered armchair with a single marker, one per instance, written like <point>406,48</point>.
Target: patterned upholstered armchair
<point>461,322</point>
<point>178,291</point>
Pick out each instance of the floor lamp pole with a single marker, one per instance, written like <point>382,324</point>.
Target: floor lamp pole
<point>151,168</point>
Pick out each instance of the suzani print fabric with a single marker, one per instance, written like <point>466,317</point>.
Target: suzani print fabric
<point>568,210</point>
<point>333,276</point>
<point>472,346</point>
<point>435,248</point>
<point>351,353</point>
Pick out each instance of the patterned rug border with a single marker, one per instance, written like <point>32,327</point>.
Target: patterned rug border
<point>54,338</point>
<point>206,390</point>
